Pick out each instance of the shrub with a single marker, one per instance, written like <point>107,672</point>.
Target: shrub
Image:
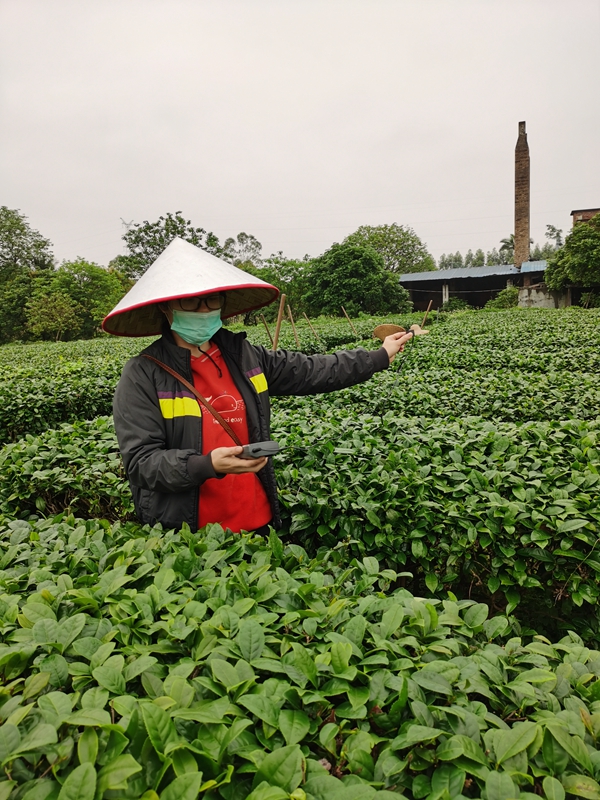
<point>141,661</point>
<point>503,513</point>
<point>507,298</point>
<point>455,304</point>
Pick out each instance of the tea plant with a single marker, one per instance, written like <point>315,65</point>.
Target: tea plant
<point>508,514</point>
<point>139,663</point>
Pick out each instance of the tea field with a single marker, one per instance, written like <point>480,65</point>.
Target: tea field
<point>426,624</point>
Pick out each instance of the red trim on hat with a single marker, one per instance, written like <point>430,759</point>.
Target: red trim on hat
<point>189,294</point>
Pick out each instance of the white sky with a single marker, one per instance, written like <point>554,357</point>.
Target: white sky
<point>296,120</point>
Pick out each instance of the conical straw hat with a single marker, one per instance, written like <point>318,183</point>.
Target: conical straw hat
<point>184,270</point>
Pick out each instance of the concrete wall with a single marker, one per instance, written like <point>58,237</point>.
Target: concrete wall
<point>539,296</point>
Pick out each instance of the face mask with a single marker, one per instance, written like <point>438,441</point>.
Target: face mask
<point>194,327</point>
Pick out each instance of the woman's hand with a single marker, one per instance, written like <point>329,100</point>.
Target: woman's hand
<point>226,462</point>
<point>394,343</point>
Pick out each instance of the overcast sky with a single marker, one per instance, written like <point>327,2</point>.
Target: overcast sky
<point>296,121</point>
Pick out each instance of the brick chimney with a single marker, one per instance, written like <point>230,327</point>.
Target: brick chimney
<point>521,198</point>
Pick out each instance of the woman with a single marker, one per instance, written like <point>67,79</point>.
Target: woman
<point>182,462</point>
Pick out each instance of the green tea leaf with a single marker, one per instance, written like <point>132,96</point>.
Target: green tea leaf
<point>448,778</point>
<point>184,787</point>
<point>9,741</point>
<point>110,678</point>
<point>265,792</point>
<point>6,788</point>
<point>572,745</point>
<point>304,663</point>
<point>80,784</point>
<point>225,673</point>
<point>432,681</point>
<point>115,775</point>
<point>476,615</point>
<point>500,786</point>
<point>41,736</point>
<point>294,726</point>
<point>581,786</point>
<point>55,707</point>
<point>89,716</point>
<point>555,756</point>
<point>183,761</point>
<point>340,657</point>
<point>262,707</point>
<point>69,629</point>
<point>510,743</point>
<point>36,684</point>
<point>250,639</point>
<point>135,668</point>
<point>415,734</point>
<point>459,745</point>
<point>553,789</point>
<point>160,727</point>
<point>282,768</point>
<point>87,746</point>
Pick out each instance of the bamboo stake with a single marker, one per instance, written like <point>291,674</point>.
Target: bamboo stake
<point>317,337</point>
<point>349,321</point>
<point>427,313</point>
<point>279,317</point>
<point>293,326</point>
<point>264,322</point>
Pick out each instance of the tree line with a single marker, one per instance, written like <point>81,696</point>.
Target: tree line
<point>45,300</point>
<point>505,253</point>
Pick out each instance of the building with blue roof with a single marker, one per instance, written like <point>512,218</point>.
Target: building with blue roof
<point>475,285</point>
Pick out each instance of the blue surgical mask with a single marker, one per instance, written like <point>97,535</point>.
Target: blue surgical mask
<point>196,327</point>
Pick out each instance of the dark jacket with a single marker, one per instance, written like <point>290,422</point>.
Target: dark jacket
<point>158,421</point>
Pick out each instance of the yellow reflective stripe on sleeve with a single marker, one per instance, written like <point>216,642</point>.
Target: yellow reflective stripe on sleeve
<point>179,407</point>
<point>260,382</point>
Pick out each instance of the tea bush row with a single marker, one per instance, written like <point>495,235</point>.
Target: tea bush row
<point>44,384</point>
<point>508,514</point>
<point>478,379</point>
<point>455,394</point>
<point>139,663</point>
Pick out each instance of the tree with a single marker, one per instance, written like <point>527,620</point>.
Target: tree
<point>145,242</point>
<point>554,235</point>
<point>542,253</point>
<point>242,251</point>
<point>451,261</point>
<point>507,249</point>
<point>547,250</point>
<point>288,275</point>
<point>21,247</point>
<point>493,258</point>
<point>24,253</point>
<point>93,290</point>
<point>399,246</point>
<point>14,294</point>
<point>578,260</point>
<point>354,277</point>
<point>52,314</point>
<point>476,259</point>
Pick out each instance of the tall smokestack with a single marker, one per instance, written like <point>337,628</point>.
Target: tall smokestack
<point>521,198</point>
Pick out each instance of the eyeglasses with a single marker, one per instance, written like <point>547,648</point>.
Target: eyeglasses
<point>213,302</point>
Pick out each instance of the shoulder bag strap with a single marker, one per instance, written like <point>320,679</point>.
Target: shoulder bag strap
<point>225,425</point>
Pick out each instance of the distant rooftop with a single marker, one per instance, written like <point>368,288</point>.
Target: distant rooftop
<point>534,266</point>
<point>473,272</point>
